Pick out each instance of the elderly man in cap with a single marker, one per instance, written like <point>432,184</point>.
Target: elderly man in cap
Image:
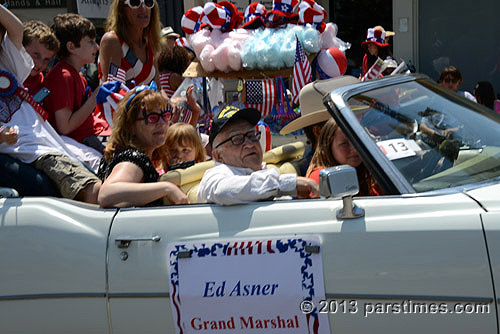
<point>239,175</point>
<point>313,115</point>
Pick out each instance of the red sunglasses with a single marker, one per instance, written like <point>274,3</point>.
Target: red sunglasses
<point>154,117</point>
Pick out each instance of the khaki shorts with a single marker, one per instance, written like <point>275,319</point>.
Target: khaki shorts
<point>69,176</point>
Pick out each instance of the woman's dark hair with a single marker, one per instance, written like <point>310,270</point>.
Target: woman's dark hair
<point>174,59</point>
<point>485,94</point>
<point>383,53</point>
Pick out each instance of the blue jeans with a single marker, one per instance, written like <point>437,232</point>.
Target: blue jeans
<point>26,179</point>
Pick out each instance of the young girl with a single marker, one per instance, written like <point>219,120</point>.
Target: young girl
<point>135,148</point>
<point>335,149</point>
<point>375,46</point>
<point>184,144</point>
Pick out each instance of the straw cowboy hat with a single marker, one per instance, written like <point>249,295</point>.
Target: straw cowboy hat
<point>311,102</point>
<point>387,32</point>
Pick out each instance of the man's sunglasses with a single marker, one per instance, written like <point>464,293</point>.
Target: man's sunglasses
<point>448,80</point>
<point>240,138</point>
<point>137,3</point>
<point>154,117</point>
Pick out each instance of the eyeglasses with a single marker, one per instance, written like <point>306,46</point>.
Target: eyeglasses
<point>137,3</point>
<point>448,80</point>
<point>239,139</point>
<point>154,117</point>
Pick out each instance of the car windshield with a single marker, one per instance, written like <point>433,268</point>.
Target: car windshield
<point>434,138</point>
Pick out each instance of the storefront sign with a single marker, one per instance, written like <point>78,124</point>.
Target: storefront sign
<point>95,9</point>
<point>26,4</point>
<point>247,286</point>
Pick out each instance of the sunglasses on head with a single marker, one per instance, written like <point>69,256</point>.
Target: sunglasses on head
<point>450,80</point>
<point>137,3</point>
<point>154,117</point>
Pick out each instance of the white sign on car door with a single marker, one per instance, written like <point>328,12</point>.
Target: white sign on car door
<point>245,286</point>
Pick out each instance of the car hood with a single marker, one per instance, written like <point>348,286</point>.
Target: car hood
<point>487,196</point>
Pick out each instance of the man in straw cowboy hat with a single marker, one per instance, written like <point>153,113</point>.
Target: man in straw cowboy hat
<point>314,114</point>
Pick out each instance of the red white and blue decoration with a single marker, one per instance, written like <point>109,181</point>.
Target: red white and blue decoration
<point>261,95</point>
<point>12,96</point>
<point>374,72</point>
<point>375,36</point>
<point>222,15</point>
<point>255,16</point>
<point>312,13</point>
<point>265,135</point>
<point>191,20</point>
<point>331,63</point>
<point>116,73</point>
<point>282,13</point>
<point>108,97</point>
<point>302,72</point>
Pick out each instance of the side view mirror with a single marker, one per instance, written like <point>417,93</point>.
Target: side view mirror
<point>8,192</point>
<point>341,182</point>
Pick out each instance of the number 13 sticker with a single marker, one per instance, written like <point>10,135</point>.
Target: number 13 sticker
<point>398,148</point>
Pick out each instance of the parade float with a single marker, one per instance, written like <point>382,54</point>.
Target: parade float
<point>259,50</point>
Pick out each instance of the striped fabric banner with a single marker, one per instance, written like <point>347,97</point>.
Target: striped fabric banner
<point>261,95</point>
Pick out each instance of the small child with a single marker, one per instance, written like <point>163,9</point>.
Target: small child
<point>71,112</point>
<point>184,144</point>
<point>42,45</point>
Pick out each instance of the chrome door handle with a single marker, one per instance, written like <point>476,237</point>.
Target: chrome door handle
<point>125,242</point>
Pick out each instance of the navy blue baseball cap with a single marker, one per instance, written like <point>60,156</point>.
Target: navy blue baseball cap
<point>230,114</point>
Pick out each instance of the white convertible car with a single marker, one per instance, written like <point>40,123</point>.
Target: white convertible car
<point>422,258</point>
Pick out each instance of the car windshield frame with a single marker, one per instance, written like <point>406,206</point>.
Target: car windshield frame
<point>385,171</point>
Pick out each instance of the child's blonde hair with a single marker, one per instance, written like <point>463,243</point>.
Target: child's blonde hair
<point>185,134</point>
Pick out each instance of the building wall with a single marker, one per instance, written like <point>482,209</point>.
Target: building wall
<point>447,32</point>
<point>405,23</point>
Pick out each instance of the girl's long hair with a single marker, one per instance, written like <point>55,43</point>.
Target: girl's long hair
<point>383,53</point>
<point>323,158</point>
<point>117,22</point>
<point>124,119</point>
<point>185,135</point>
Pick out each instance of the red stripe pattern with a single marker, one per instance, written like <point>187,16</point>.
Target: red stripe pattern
<point>302,72</point>
<point>261,95</point>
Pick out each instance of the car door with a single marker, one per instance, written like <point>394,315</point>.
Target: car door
<point>52,260</point>
<point>488,197</point>
<point>411,263</point>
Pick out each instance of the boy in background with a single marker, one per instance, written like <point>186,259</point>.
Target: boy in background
<point>37,142</point>
<point>70,110</point>
<point>42,45</point>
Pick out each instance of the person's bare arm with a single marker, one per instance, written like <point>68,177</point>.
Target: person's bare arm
<point>67,120</point>
<point>195,107</point>
<point>110,52</point>
<point>124,188</point>
<point>307,188</point>
<point>13,26</point>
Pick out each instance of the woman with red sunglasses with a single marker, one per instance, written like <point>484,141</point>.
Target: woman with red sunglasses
<point>132,40</point>
<point>135,150</point>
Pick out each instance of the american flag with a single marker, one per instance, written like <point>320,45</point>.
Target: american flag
<point>186,117</point>
<point>116,73</point>
<point>261,95</point>
<point>301,72</point>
